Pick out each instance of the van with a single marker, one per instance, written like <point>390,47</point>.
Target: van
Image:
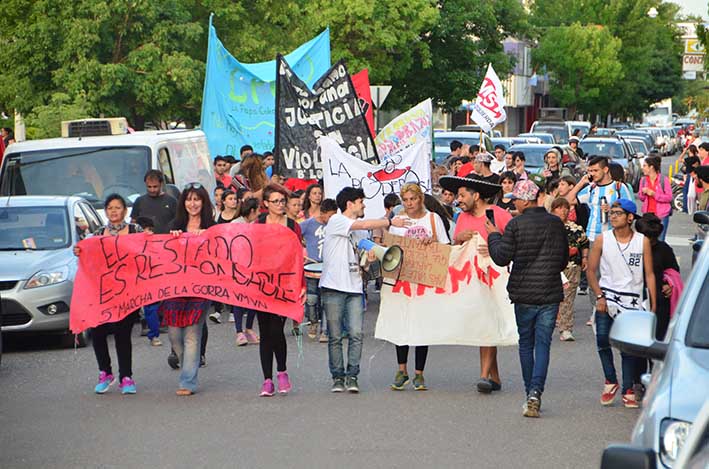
<point>95,166</point>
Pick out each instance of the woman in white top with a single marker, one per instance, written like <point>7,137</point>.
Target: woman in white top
<point>427,227</point>
<point>624,257</point>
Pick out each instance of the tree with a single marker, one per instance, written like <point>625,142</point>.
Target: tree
<point>650,52</point>
<point>45,120</point>
<point>467,36</point>
<point>137,58</point>
<point>584,64</point>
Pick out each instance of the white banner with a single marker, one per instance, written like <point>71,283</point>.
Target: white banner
<point>406,130</point>
<point>489,107</point>
<point>340,170</point>
<point>474,308</point>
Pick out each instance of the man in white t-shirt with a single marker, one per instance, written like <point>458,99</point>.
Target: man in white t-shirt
<point>342,290</point>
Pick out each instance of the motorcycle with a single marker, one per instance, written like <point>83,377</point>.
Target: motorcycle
<point>677,184</point>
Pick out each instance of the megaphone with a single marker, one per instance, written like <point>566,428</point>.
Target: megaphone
<point>390,257</point>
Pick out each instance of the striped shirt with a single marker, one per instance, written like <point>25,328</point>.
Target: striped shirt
<point>591,195</point>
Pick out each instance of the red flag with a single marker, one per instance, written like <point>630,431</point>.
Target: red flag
<point>361,84</point>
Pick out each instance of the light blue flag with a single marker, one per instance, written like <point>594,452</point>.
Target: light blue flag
<point>239,100</point>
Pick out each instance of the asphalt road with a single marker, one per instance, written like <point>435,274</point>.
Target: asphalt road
<point>50,417</point>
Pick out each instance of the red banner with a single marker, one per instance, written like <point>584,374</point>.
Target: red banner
<point>251,265</point>
<point>361,84</point>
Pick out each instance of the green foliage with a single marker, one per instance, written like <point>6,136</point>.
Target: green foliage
<point>465,39</point>
<point>584,62</point>
<point>45,120</point>
<point>650,54</point>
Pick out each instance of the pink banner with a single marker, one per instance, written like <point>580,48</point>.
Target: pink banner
<point>251,265</point>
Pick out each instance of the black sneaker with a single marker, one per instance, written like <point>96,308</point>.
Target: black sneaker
<point>338,385</point>
<point>484,386</point>
<point>351,384</point>
<point>583,291</point>
<point>173,361</point>
<point>533,404</point>
<point>496,386</point>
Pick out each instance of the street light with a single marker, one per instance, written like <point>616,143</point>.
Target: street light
<point>652,13</point>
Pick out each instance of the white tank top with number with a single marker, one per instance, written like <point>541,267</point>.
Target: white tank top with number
<point>622,271</point>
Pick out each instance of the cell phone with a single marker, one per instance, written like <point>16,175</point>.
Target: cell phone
<point>490,214</point>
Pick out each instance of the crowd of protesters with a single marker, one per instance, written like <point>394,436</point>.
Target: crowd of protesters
<point>555,232</point>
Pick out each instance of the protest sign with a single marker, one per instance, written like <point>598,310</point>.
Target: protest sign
<point>489,106</point>
<point>302,116</point>
<point>360,80</point>
<point>342,170</point>
<point>426,264</point>
<point>238,102</point>
<point>229,263</point>
<point>406,130</point>
<point>472,309</point>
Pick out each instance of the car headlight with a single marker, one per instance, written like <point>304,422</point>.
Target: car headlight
<point>48,277</point>
<point>673,435</point>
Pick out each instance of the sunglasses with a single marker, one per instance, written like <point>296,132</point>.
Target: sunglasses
<point>192,185</point>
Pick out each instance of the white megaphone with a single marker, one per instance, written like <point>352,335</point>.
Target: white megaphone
<point>390,257</point>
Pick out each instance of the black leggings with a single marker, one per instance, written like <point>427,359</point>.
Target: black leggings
<point>273,342</point>
<point>203,343</point>
<point>121,331</point>
<point>420,352</point>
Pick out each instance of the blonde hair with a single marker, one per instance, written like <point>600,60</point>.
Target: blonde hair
<point>411,187</point>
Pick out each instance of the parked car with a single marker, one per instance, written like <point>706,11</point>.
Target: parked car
<point>619,151</point>
<point>679,384</point>
<point>442,141</point>
<point>560,129</point>
<point>640,133</point>
<point>540,136</point>
<point>584,126</point>
<point>476,128</point>
<point>37,263</point>
<point>701,219</point>
<point>605,132</point>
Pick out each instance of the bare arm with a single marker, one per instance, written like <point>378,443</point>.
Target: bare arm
<point>373,224</point>
<point>649,273</point>
<point>573,193</point>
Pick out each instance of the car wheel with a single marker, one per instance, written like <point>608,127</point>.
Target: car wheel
<point>678,201</point>
<point>81,340</point>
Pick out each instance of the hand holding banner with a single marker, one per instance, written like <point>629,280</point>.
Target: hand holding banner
<point>489,107</point>
<point>229,263</point>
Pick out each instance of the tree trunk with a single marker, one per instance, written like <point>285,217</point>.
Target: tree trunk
<point>138,122</point>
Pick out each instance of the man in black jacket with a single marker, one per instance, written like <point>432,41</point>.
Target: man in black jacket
<point>535,242</point>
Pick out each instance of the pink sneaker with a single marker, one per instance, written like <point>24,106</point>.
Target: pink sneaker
<point>267,389</point>
<point>283,382</point>
<point>241,339</point>
<point>252,337</point>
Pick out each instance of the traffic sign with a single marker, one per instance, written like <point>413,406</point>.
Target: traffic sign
<point>379,94</point>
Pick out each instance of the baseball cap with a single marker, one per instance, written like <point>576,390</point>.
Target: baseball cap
<point>524,190</point>
<point>483,157</point>
<point>538,179</point>
<point>627,205</point>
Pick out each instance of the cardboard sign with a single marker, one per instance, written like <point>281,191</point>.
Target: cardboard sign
<point>473,307</point>
<point>423,264</point>
<point>232,263</point>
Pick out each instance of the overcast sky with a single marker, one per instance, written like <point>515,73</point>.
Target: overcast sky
<point>693,7</point>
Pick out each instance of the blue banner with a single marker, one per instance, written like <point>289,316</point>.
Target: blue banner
<point>239,100</point>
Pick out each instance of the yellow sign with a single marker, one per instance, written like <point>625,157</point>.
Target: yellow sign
<point>693,46</point>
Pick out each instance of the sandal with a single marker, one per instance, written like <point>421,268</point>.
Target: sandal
<point>184,392</point>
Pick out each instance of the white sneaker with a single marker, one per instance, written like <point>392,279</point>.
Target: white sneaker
<point>216,317</point>
<point>231,317</point>
<point>566,336</point>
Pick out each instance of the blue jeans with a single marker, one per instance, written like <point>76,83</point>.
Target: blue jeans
<point>186,342</point>
<point>665,225</point>
<point>238,313</point>
<point>152,319</point>
<point>629,363</point>
<point>535,325</point>
<point>313,303</point>
<point>342,310</point>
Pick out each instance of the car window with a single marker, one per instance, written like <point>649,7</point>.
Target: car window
<point>94,222</point>
<point>610,149</point>
<point>698,330</point>
<point>81,224</point>
<point>534,156</point>
<point>165,167</point>
<point>33,228</point>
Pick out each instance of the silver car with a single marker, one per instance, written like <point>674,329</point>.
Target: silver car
<point>679,385</point>
<point>37,263</point>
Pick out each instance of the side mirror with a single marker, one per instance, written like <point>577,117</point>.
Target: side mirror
<point>640,155</point>
<point>627,457</point>
<point>701,217</point>
<point>633,332</point>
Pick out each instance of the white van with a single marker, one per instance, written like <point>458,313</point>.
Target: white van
<point>93,167</point>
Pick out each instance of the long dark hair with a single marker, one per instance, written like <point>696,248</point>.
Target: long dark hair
<point>206,215</point>
<point>306,202</point>
<point>433,205</point>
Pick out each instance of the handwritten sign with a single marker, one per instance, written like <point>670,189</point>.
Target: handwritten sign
<point>473,308</point>
<point>231,263</point>
<point>423,264</point>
